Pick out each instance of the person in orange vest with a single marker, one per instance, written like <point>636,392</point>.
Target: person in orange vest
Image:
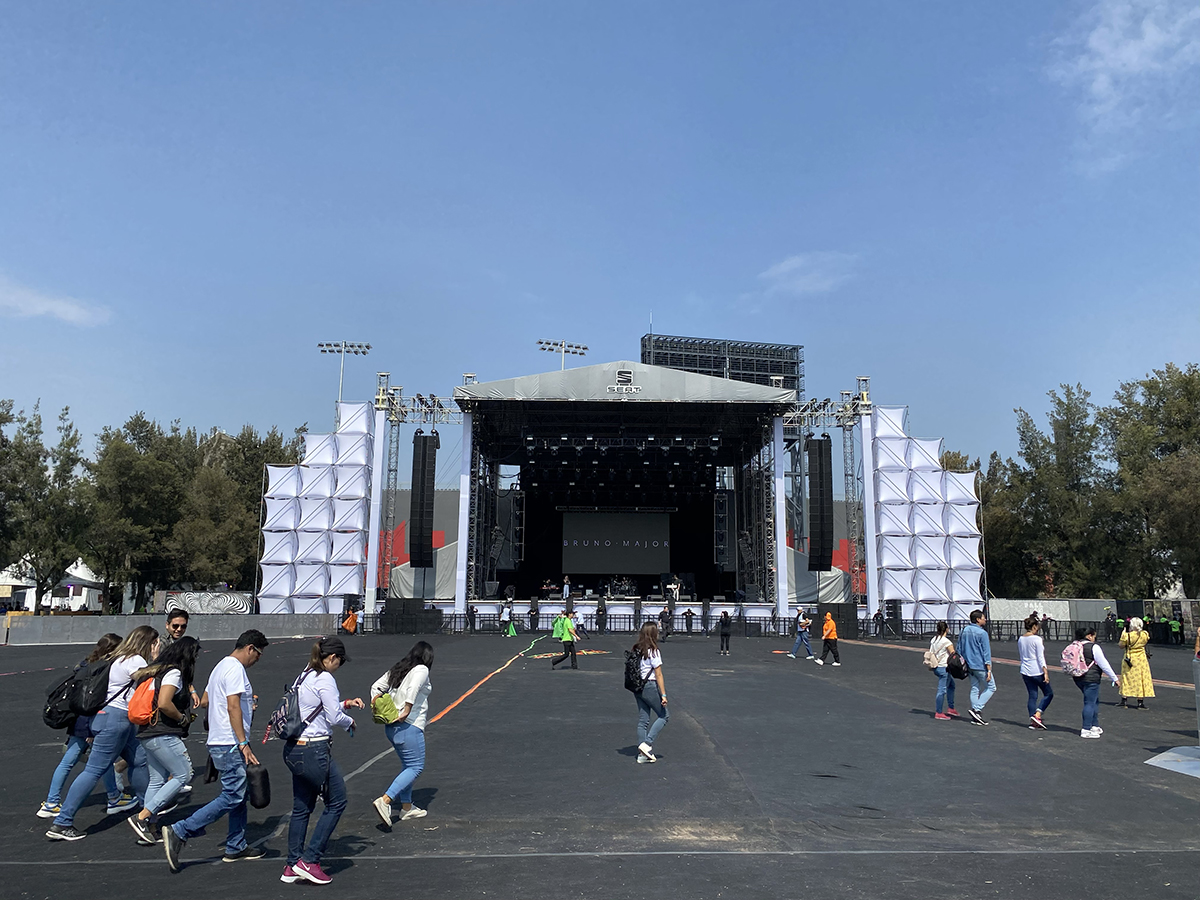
<point>829,641</point>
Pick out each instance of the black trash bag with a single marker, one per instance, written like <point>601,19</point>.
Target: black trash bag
<point>258,786</point>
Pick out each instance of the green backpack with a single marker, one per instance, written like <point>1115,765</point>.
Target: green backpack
<point>383,710</point>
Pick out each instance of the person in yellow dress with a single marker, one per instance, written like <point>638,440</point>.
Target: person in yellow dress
<point>1136,681</point>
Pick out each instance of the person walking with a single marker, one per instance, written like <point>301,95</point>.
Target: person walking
<point>309,758</point>
<point>829,641</point>
<point>652,698</point>
<point>725,627</point>
<point>506,625</point>
<point>688,615</point>
<point>471,611</point>
<point>1089,682</point>
<point>1176,629</point>
<point>163,738</point>
<point>1032,651</point>
<point>664,623</point>
<point>975,647</point>
<point>568,636</point>
<point>177,625</point>
<point>1136,681</point>
<point>940,646</point>
<point>580,627</point>
<point>114,735</point>
<point>230,699</point>
<point>78,738</point>
<point>407,684</point>
<point>802,624</point>
<point>601,615</point>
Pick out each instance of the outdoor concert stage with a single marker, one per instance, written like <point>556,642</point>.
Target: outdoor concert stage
<point>627,472</point>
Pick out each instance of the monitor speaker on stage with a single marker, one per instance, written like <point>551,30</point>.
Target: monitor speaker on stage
<point>820,503</point>
<point>420,518</point>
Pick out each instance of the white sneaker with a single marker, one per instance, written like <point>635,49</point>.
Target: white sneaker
<point>645,749</point>
<point>810,656</point>
<point>1088,733</point>
<point>820,662</point>
<point>837,663</point>
<point>791,656</point>
<point>384,808</point>
<point>1097,730</point>
<point>415,813</point>
<point>643,758</point>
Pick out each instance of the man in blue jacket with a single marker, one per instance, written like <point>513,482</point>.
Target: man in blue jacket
<point>976,649</point>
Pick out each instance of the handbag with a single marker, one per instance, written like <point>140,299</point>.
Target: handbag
<point>930,659</point>
<point>383,710</point>
<point>258,786</point>
<point>957,666</point>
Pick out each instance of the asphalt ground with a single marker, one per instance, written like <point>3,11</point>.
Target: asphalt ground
<point>775,778</point>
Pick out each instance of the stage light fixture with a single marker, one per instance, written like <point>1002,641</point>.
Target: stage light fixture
<point>341,348</point>
<point>563,348</point>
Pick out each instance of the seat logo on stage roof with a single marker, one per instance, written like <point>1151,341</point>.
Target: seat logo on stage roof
<point>624,383</point>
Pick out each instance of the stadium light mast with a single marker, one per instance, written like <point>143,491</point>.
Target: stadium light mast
<point>562,348</point>
<point>341,348</point>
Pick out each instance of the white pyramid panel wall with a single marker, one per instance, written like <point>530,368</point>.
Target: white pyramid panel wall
<point>316,481</point>
<point>312,580</point>
<point>355,418</point>
<point>273,606</point>
<point>890,454</point>
<point>283,481</point>
<point>929,552</point>
<point>925,456</point>
<point>926,519</point>
<point>925,487</point>
<point>279,547</point>
<point>349,515</point>
<point>896,584</point>
<point>891,421</point>
<point>277,581</point>
<point>964,586</point>
<point>320,450</point>
<point>960,519</point>
<point>929,586</point>
<point>963,553</point>
<point>893,552</point>
<point>310,606</point>
<point>348,548</point>
<point>313,547</point>
<point>959,487</point>
<point>315,514</point>
<point>893,520</point>
<point>352,482</point>
<point>354,450</point>
<point>891,487</point>
<point>283,514</point>
<point>345,580</point>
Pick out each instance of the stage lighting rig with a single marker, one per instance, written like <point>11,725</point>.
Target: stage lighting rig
<point>341,348</point>
<point>563,348</point>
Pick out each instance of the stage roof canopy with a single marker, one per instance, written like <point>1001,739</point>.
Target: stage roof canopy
<point>622,381</point>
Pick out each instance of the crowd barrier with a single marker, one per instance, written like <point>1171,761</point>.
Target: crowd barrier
<point>1054,630</point>
<point>24,630</point>
<point>489,623</point>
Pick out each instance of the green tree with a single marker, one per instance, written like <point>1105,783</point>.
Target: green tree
<point>216,537</point>
<point>9,488</point>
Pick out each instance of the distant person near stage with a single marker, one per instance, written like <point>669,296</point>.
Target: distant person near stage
<point>802,624</point>
<point>975,647</point>
<point>829,641</point>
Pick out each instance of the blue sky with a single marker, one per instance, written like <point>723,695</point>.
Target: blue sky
<point>969,202</point>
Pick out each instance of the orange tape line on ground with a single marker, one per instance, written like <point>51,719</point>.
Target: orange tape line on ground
<point>483,681</point>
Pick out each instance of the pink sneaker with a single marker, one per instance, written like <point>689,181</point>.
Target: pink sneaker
<point>941,716</point>
<point>311,872</point>
<point>289,875</point>
<point>952,713</point>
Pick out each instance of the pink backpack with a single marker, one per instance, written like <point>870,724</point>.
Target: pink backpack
<point>1074,663</point>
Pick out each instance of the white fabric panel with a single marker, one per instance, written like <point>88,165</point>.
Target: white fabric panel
<point>404,583</point>
<point>320,449</point>
<point>353,482</point>
<point>283,481</point>
<point>355,418</point>
<point>349,515</point>
<point>963,553</point>
<point>312,580</point>
<point>269,606</point>
<point>893,519</point>
<point>282,514</point>
<point>894,552</point>
<point>348,548</point>
<point>315,514</point>
<point>354,450</point>
<point>895,584</point>
<point>925,455</point>
<point>927,612</point>
<point>925,487</point>
<point>316,481</point>
<point>891,487</point>
<point>345,580</point>
<point>929,552</point>
<point>890,421</point>
<point>313,547</point>
<point>927,519</point>
<point>964,587</point>
<point>310,606</point>
<point>959,487</point>
<point>959,519</point>
<point>929,586</point>
<point>279,547</point>
<point>277,581</point>
<point>890,454</point>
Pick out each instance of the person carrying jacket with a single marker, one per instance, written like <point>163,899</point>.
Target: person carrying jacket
<point>829,641</point>
<point>975,647</point>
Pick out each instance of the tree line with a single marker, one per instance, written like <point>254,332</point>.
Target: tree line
<point>155,506</point>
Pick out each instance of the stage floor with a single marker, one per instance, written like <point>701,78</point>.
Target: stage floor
<point>776,778</point>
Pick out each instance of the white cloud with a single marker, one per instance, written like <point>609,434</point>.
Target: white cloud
<point>817,272</point>
<point>1134,68</point>
<point>19,301</point>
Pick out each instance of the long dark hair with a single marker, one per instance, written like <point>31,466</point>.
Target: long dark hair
<point>647,640</point>
<point>181,655</point>
<point>420,655</point>
<point>104,646</point>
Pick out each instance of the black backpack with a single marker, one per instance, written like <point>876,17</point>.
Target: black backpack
<point>82,693</point>
<point>285,722</point>
<point>633,672</point>
<point>57,711</point>
<point>957,666</point>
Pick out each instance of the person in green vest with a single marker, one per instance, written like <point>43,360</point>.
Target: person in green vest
<point>568,638</point>
<point>1120,623</point>
<point>1176,631</point>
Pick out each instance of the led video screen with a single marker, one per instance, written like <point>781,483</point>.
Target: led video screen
<point>616,543</point>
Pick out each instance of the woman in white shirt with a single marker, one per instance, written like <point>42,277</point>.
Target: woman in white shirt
<point>315,772</point>
<point>407,683</point>
<point>1033,670</point>
<point>941,647</point>
<point>113,734</point>
<point>652,698</point>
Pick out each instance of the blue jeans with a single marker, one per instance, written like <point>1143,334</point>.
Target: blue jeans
<point>314,774</point>
<point>648,701</point>
<point>409,742</point>
<point>802,638</point>
<point>232,800</point>
<point>945,688</point>
<point>1091,702</point>
<point>1033,684</point>
<point>114,735</point>
<point>170,769</point>
<point>982,689</point>
<point>72,753</point>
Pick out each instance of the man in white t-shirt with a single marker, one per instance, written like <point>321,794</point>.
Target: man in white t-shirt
<point>230,700</point>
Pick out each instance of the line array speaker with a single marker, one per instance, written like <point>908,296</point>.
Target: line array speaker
<point>420,518</point>
<point>820,503</point>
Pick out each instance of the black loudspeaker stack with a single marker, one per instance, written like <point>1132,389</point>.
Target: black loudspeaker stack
<point>420,517</point>
<point>820,503</point>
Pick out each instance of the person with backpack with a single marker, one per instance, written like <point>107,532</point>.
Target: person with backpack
<point>652,698</point>
<point>78,738</point>
<point>309,758</point>
<point>976,649</point>
<point>802,625</point>
<point>1137,683</point>
<point>568,636</point>
<point>230,699</point>
<point>725,628</point>
<point>162,737</point>
<point>940,648</point>
<point>829,641</point>
<point>1034,673</point>
<point>406,686</point>
<point>1084,661</point>
<point>506,625</point>
<point>113,734</point>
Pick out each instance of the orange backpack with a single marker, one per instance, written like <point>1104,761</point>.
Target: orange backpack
<point>143,705</point>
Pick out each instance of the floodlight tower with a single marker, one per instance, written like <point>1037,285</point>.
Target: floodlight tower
<point>562,348</point>
<point>341,348</point>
